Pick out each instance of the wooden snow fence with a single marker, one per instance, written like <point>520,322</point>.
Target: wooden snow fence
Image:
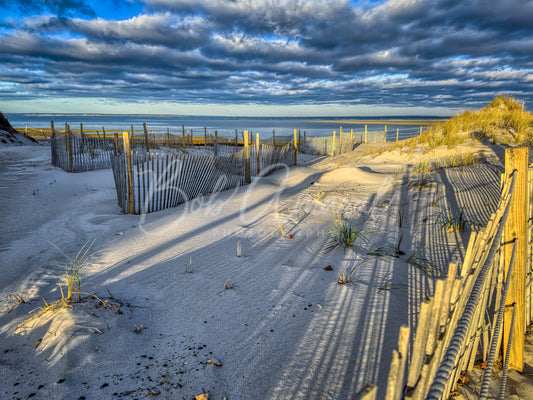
<point>470,316</point>
<point>148,182</point>
<point>337,144</point>
<point>265,159</point>
<point>78,153</point>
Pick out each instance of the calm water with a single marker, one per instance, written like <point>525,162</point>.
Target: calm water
<point>225,126</point>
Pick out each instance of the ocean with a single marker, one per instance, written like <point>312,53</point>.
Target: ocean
<point>225,126</point>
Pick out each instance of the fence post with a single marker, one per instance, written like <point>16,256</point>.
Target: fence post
<point>333,149</point>
<point>351,135</point>
<point>257,149</point>
<point>366,132</point>
<point>52,130</point>
<point>115,139</point>
<point>385,132</point>
<point>103,134</point>
<point>69,146</point>
<point>246,158</point>
<point>132,137</point>
<point>295,147</point>
<point>216,136</point>
<point>82,149</point>
<point>516,228</point>
<point>183,135</point>
<point>126,141</point>
<point>299,140</point>
<point>205,137</point>
<point>192,139</point>
<point>340,134</point>
<point>168,136</point>
<point>236,138</point>
<point>397,132</point>
<point>420,131</point>
<point>273,137</point>
<point>146,141</point>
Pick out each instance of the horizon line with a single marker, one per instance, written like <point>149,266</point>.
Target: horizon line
<point>425,116</point>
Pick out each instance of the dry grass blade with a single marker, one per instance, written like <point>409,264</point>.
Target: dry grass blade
<point>228,285</point>
<point>18,299</point>
<point>48,307</point>
<point>421,263</point>
<point>383,251</point>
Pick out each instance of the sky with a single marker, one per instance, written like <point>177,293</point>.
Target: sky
<point>264,57</point>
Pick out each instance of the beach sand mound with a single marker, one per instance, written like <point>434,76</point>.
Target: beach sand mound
<point>9,136</point>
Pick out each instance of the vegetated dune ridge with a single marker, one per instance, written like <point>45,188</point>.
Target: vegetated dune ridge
<point>197,318</point>
<point>10,136</point>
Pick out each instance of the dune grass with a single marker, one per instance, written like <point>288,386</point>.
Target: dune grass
<point>504,115</point>
<point>73,285</point>
<point>343,233</point>
<point>345,276</point>
<point>504,121</point>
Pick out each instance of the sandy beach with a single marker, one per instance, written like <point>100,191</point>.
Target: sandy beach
<point>172,310</point>
<point>392,261</point>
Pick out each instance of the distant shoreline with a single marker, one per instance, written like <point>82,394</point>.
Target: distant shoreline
<point>393,120</point>
<point>397,122</point>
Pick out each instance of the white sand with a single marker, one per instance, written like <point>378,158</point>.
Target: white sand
<point>286,330</point>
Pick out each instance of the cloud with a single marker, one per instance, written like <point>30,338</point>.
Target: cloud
<point>286,17</point>
<point>396,52</point>
<point>60,7</point>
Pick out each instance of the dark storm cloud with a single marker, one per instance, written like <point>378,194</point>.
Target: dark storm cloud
<point>398,52</point>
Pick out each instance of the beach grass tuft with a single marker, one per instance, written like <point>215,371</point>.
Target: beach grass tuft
<point>455,222</point>
<point>343,233</point>
<point>345,276</point>
<point>423,264</point>
<point>73,282</point>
